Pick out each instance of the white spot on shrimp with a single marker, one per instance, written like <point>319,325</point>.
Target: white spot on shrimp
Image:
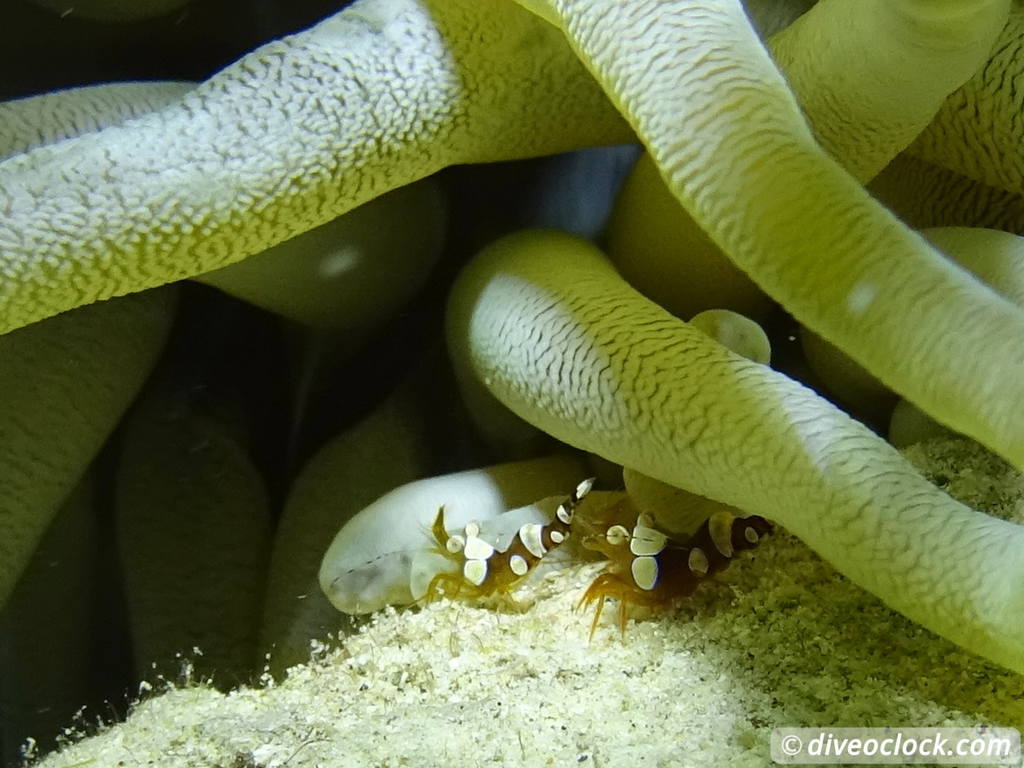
<point>475,571</point>
<point>646,541</point>
<point>617,535</point>
<point>720,528</point>
<point>518,565</point>
<point>530,534</point>
<point>477,549</point>
<point>645,572</point>
<point>584,487</point>
<point>698,561</point>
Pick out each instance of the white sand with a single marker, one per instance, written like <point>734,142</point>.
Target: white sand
<point>782,640</point>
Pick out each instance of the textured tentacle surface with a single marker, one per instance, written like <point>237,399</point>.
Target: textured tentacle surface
<point>727,134</point>
<point>926,195</point>
<point>977,131</point>
<point>871,75</point>
<point>50,117</point>
<point>294,134</point>
<point>577,352</point>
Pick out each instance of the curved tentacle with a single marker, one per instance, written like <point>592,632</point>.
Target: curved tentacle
<point>574,350</point>
<point>926,195</point>
<point>870,76</point>
<point>977,131</point>
<point>66,382</point>
<point>36,121</point>
<point>292,135</point>
<point>730,141</point>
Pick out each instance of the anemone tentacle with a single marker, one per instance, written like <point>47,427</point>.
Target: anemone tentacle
<point>618,375</point>
<point>730,141</point>
<point>294,134</point>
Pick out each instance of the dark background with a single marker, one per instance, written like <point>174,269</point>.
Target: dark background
<point>41,50</point>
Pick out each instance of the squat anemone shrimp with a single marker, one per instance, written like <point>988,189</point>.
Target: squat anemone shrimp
<point>487,556</point>
<point>495,567</point>
<point>386,553</point>
<point>650,568</point>
<point>646,566</point>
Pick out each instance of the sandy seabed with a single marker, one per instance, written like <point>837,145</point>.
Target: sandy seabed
<point>780,639</point>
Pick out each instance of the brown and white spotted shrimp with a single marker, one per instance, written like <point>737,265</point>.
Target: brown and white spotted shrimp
<point>653,569</point>
<point>486,567</point>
